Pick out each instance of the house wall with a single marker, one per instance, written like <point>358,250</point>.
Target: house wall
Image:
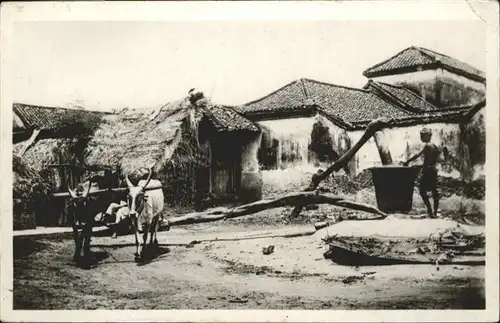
<point>439,86</point>
<point>474,149</point>
<point>405,142</point>
<point>251,177</point>
<point>294,136</point>
<point>17,123</point>
<point>465,161</point>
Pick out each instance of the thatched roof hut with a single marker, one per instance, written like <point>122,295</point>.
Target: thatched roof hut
<point>176,141</point>
<point>149,139</point>
<point>139,139</point>
<point>46,151</point>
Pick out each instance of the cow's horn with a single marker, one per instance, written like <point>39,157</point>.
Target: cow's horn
<point>88,190</point>
<point>129,183</point>
<point>72,193</point>
<point>148,179</point>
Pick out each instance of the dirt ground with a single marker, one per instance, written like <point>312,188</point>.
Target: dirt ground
<point>234,274</point>
<point>229,275</point>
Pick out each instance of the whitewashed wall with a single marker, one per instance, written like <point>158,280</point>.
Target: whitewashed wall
<point>420,76</point>
<point>443,74</point>
<point>405,142</point>
<point>429,75</point>
<point>249,161</point>
<point>299,130</point>
<point>17,122</point>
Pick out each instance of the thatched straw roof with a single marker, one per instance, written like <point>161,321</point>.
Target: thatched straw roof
<point>138,139</point>
<point>43,152</point>
<point>28,185</point>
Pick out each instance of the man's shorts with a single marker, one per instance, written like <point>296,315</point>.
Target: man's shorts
<point>428,181</point>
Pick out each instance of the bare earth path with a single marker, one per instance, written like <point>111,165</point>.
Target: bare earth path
<point>228,275</point>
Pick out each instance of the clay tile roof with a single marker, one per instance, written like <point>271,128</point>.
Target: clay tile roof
<point>412,58</point>
<point>403,96</point>
<point>444,115</point>
<point>350,104</point>
<point>47,118</point>
<point>227,119</point>
<point>353,108</point>
<point>342,105</point>
<point>287,98</point>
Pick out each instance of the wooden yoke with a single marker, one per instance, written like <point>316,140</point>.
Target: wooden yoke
<point>118,189</point>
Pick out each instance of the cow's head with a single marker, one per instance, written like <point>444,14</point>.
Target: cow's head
<point>78,199</point>
<point>136,198</point>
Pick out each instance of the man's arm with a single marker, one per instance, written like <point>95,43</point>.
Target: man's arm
<point>413,158</point>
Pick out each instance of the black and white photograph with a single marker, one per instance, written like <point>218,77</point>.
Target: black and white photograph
<point>202,160</point>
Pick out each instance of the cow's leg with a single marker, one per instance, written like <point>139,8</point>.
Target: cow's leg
<point>77,241</point>
<point>152,227</point>
<point>87,237</point>
<point>136,234</point>
<point>155,231</point>
<point>145,236</point>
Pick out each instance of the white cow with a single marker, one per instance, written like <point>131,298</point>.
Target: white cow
<point>146,207</point>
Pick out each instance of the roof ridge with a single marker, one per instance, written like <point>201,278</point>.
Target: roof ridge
<point>273,92</point>
<point>399,104</point>
<point>437,59</point>
<point>304,88</point>
<point>408,91</point>
<point>426,114</point>
<point>336,85</point>
<point>391,95</point>
<point>422,51</point>
<point>388,59</point>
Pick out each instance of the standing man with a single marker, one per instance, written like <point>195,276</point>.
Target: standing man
<point>428,180</point>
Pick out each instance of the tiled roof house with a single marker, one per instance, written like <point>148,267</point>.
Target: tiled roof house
<point>49,121</point>
<point>352,108</point>
<point>348,108</point>
<point>415,87</point>
<point>226,119</point>
<point>440,79</point>
<point>417,59</point>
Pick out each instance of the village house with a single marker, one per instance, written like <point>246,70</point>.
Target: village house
<point>48,136</point>
<point>47,148</point>
<point>307,123</point>
<point>193,148</point>
<point>206,153</point>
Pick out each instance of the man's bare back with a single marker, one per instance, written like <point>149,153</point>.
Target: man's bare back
<point>431,154</point>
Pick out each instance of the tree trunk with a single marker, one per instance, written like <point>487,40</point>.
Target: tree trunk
<point>371,129</point>
<point>300,198</point>
<point>383,148</point>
